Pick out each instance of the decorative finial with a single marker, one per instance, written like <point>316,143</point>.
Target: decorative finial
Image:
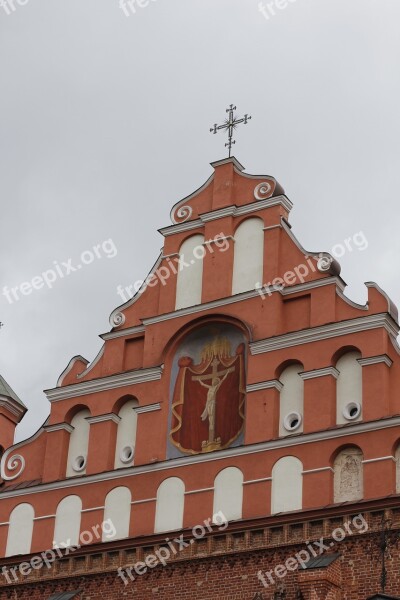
<point>230,124</point>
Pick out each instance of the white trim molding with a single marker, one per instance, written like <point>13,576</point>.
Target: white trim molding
<point>228,211</point>
<point>84,510</point>
<point>123,332</point>
<point>316,283</point>
<point>324,332</point>
<point>320,373</point>
<point>279,226</point>
<point>103,418</point>
<point>198,308</point>
<point>265,385</point>
<point>149,408</point>
<point>237,211</point>
<point>59,427</point>
<point>13,407</point>
<point>210,489</point>
<point>375,360</point>
<point>257,480</point>
<point>336,433</point>
<point>317,470</point>
<point>104,383</point>
<point>181,227</point>
<point>372,460</point>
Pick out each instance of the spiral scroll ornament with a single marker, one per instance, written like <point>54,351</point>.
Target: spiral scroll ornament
<point>14,463</point>
<point>324,263</point>
<point>263,190</point>
<point>118,319</point>
<point>182,214</point>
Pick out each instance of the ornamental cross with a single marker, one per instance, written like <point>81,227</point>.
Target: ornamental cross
<point>230,124</point>
<point>216,379</point>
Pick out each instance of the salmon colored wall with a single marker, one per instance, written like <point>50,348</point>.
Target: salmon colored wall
<point>258,318</point>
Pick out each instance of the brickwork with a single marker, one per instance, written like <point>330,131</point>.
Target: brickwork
<point>227,566</point>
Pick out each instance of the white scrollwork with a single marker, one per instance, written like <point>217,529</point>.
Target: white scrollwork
<point>16,462</point>
<point>183,213</point>
<point>263,190</point>
<point>118,319</point>
<point>324,263</point>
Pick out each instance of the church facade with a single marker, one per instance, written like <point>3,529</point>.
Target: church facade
<point>237,436</point>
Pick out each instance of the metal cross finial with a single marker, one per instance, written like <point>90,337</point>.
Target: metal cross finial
<point>230,124</point>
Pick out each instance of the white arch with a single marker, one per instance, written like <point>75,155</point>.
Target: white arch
<point>117,510</point>
<point>291,400</point>
<point>348,388</point>
<point>287,485</point>
<point>78,444</point>
<point>170,505</point>
<point>68,522</point>
<point>228,493</point>
<point>348,475</point>
<point>126,435</point>
<point>190,277</point>
<point>248,259</point>
<point>20,530</point>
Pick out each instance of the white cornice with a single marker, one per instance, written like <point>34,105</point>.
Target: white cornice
<point>12,406</point>
<point>220,213</point>
<point>228,211</point>
<point>310,285</point>
<point>149,408</point>
<point>317,470</point>
<point>320,373</point>
<point>375,360</point>
<point>188,493</point>
<point>103,418</point>
<point>324,332</point>
<point>181,227</point>
<point>191,310</point>
<point>225,161</point>
<point>261,480</point>
<point>167,465</point>
<point>279,226</point>
<point>237,211</point>
<point>123,332</point>
<point>59,427</point>
<point>198,308</point>
<point>267,203</point>
<point>104,383</point>
<point>264,385</point>
<point>372,460</point>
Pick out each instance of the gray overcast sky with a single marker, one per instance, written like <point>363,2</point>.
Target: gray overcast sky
<point>104,125</point>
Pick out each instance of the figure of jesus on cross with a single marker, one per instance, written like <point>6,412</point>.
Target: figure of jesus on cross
<point>217,379</point>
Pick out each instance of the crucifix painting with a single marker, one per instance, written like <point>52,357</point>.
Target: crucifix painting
<point>209,393</point>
